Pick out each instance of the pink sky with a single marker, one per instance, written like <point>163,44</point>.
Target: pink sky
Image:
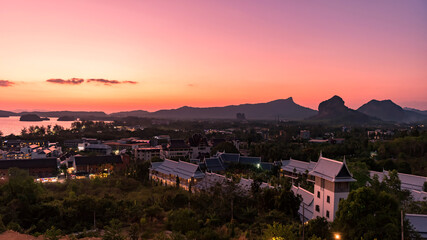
<point>210,53</point>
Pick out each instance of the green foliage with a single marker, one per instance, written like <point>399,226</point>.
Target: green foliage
<point>280,232</point>
<point>52,233</point>
<point>379,211</point>
<point>113,231</point>
<point>183,220</point>
<point>318,227</point>
<point>2,226</point>
<point>134,231</point>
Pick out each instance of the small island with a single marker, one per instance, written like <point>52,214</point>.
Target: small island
<point>67,118</point>
<point>32,118</point>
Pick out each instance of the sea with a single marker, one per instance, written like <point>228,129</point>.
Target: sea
<point>12,125</point>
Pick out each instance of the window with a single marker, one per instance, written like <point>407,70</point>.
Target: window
<point>327,214</point>
<point>317,208</point>
<point>318,194</point>
<point>328,199</point>
<point>322,183</point>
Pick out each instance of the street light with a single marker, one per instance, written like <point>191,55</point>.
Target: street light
<point>337,236</point>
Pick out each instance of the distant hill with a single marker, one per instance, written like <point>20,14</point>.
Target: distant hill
<point>334,110</point>
<point>387,110</point>
<point>416,110</point>
<point>7,114</point>
<point>77,114</point>
<point>136,113</point>
<point>284,109</point>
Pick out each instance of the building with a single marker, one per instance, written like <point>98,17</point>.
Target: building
<point>419,222</point>
<point>412,183</point>
<point>128,144</point>
<point>307,206</point>
<point>147,153</point>
<point>171,173</point>
<point>293,168</point>
<point>38,168</point>
<point>98,148</point>
<point>177,149</point>
<point>332,183</point>
<point>199,147</point>
<point>97,164</point>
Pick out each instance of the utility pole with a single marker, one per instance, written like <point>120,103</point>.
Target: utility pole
<point>401,222</point>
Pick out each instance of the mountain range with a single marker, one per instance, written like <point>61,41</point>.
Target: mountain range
<point>331,110</point>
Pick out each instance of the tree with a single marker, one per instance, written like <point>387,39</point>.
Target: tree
<point>134,231</point>
<point>112,232</point>
<point>278,231</point>
<point>183,220</point>
<point>52,233</point>
<point>318,227</point>
<point>368,214</point>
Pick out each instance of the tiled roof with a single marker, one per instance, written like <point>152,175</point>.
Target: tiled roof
<point>332,170</point>
<point>249,160</point>
<point>419,196</point>
<point>214,165</point>
<point>210,180</point>
<point>181,169</point>
<point>229,157</point>
<point>266,166</point>
<point>299,166</point>
<point>408,181</point>
<point>307,198</point>
<point>419,222</point>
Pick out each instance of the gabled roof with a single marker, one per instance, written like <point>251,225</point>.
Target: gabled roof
<point>307,199</point>
<point>408,181</point>
<point>214,165</point>
<point>97,160</point>
<point>188,170</point>
<point>229,157</point>
<point>266,166</point>
<point>299,166</point>
<point>332,170</point>
<point>181,169</point>
<point>29,163</point>
<point>419,196</point>
<point>210,180</point>
<point>419,222</point>
<point>249,160</point>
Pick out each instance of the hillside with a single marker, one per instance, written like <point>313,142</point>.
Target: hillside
<point>334,110</point>
<point>284,109</point>
<point>387,110</point>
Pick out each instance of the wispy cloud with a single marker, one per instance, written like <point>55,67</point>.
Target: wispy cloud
<point>109,82</point>
<point>6,83</point>
<point>72,81</point>
<point>77,81</point>
<point>130,82</point>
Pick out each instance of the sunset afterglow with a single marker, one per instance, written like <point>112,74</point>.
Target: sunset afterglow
<point>126,55</point>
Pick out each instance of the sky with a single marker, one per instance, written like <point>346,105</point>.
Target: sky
<point>130,54</point>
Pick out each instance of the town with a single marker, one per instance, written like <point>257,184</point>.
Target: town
<point>325,168</point>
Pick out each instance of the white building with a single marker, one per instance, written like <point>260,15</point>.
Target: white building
<point>332,183</point>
